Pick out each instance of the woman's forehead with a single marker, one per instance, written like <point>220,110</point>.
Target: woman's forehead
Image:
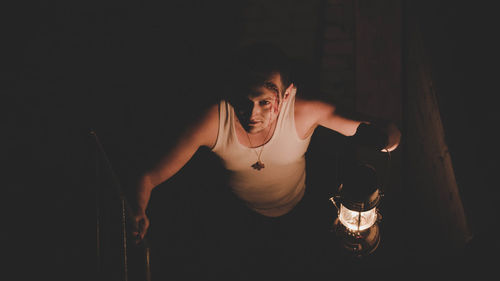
<point>263,93</point>
<point>275,79</point>
<point>273,85</point>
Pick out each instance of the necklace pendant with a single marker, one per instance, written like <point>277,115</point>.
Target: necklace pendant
<point>258,165</point>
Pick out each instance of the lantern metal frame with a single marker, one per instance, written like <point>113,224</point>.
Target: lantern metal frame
<point>361,240</point>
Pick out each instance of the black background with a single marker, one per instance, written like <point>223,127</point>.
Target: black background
<point>134,73</point>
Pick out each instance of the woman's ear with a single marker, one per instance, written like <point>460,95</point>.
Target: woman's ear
<point>288,91</point>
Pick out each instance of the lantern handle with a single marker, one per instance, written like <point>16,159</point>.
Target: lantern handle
<point>387,172</point>
<point>334,202</point>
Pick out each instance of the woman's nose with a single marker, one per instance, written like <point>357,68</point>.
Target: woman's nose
<point>255,110</point>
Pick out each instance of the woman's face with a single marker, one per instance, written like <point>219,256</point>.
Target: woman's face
<point>259,109</point>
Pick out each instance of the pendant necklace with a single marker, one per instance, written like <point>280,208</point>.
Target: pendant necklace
<point>259,165</point>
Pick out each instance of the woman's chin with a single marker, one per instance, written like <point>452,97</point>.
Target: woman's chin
<point>253,129</point>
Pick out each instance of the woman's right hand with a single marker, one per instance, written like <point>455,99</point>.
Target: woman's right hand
<point>141,225</point>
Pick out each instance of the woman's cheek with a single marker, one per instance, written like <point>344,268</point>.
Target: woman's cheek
<point>275,107</point>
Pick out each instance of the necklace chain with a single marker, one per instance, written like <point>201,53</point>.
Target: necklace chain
<point>259,165</point>
<point>255,148</point>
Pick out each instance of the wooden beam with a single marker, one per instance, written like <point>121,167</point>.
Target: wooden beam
<point>440,223</point>
<point>378,58</point>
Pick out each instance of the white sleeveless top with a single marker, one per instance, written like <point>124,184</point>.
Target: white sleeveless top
<point>274,190</point>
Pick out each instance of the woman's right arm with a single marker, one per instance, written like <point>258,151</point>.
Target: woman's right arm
<point>202,132</point>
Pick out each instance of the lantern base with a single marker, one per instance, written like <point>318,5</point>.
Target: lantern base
<point>357,244</point>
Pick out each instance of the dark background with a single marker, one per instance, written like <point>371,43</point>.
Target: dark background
<point>134,73</point>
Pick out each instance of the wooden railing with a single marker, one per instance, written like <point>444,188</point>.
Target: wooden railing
<point>118,256</point>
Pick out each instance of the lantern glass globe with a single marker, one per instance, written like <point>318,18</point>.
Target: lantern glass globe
<point>357,221</point>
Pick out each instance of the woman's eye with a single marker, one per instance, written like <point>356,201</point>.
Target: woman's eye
<point>264,102</point>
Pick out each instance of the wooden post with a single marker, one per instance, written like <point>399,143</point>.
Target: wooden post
<point>439,222</point>
<point>378,58</point>
<point>378,75</point>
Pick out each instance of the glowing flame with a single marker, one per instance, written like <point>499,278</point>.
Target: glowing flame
<point>351,219</point>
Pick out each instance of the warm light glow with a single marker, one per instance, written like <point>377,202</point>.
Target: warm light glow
<point>350,219</point>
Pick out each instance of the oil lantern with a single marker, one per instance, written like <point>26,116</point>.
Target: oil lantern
<point>357,222</point>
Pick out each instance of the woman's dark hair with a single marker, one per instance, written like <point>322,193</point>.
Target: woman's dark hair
<point>252,65</point>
